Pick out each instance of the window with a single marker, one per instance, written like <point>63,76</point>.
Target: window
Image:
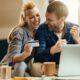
<point>73,6</point>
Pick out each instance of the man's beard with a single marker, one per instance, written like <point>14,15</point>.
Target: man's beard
<point>56,29</point>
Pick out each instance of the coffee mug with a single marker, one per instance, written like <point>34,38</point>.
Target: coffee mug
<point>49,68</point>
<point>5,72</point>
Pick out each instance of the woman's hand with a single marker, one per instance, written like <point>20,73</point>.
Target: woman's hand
<point>26,53</point>
<point>27,50</point>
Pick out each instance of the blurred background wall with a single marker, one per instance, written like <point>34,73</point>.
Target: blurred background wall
<point>9,14</point>
<point>79,13</point>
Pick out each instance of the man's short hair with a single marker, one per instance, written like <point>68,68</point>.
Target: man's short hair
<point>50,1</point>
<point>59,8</point>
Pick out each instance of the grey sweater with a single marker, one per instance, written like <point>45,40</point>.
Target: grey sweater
<point>18,38</point>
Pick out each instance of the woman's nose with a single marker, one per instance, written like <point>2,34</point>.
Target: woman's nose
<point>36,18</point>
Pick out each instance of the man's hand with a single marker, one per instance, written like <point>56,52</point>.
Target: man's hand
<point>58,46</point>
<point>75,34</point>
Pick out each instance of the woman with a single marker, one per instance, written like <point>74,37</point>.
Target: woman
<point>19,49</point>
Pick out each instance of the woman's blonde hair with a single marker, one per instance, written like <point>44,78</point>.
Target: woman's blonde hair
<point>29,5</point>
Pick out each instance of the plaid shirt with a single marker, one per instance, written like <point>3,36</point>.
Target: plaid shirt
<point>47,39</point>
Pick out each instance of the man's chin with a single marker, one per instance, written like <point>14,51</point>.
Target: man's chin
<point>57,31</point>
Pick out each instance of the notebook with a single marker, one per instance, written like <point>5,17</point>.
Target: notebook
<point>69,65</point>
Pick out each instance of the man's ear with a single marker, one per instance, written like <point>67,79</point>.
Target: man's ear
<point>62,19</point>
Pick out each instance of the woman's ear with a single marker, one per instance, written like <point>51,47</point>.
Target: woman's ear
<point>25,18</point>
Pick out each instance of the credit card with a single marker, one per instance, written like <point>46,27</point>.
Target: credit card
<point>34,43</point>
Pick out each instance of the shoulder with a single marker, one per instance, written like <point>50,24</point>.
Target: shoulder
<point>17,30</point>
<point>70,24</point>
<point>16,33</point>
<point>42,30</point>
<point>42,27</point>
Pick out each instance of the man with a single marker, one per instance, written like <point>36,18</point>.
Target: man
<point>54,33</point>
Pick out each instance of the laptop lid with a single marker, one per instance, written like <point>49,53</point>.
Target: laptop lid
<point>69,61</point>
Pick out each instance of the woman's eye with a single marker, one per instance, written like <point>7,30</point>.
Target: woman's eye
<point>38,15</point>
<point>31,17</point>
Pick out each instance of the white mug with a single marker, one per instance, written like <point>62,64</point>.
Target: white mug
<point>5,72</point>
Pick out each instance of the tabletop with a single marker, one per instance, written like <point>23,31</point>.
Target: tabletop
<point>46,78</point>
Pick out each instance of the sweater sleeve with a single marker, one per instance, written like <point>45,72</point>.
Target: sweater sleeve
<point>15,45</point>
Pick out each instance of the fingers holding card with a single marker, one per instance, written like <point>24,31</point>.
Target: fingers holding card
<point>34,43</point>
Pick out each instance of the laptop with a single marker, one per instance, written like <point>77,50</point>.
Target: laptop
<point>69,65</point>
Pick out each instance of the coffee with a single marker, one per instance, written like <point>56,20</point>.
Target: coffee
<point>49,68</point>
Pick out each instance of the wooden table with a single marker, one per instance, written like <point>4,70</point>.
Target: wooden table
<point>51,78</point>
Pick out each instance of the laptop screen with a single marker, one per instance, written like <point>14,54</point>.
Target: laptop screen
<point>69,61</point>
